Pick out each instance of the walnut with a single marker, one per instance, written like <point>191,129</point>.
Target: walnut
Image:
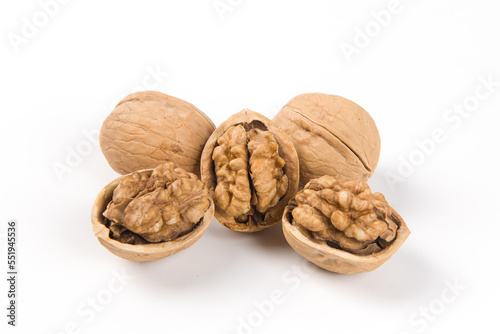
<point>343,226</point>
<point>148,128</point>
<point>150,214</point>
<point>332,136</point>
<point>251,170</point>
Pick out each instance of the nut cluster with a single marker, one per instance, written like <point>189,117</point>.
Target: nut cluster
<point>346,215</point>
<point>156,206</point>
<point>249,169</point>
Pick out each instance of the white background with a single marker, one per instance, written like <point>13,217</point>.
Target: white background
<point>60,81</point>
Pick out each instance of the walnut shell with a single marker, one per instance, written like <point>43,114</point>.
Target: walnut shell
<point>251,170</point>
<point>332,136</point>
<point>148,128</point>
<point>343,227</point>
<point>141,251</point>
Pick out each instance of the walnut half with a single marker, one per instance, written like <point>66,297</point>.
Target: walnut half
<point>343,226</point>
<point>251,170</point>
<point>150,214</point>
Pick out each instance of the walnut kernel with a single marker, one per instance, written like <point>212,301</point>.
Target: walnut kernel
<point>150,214</point>
<point>343,226</point>
<point>251,170</point>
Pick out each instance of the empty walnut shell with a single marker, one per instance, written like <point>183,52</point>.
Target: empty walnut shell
<point>343,227</point>
<point>332,136</point>
<point>148,128</point>
<point>251,170</point>
<point>142,251</point>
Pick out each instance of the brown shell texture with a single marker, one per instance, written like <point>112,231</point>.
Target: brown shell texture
<point>148,128</point>
<point>332,136</point>
<point>343,226</point>
<point>251,170</point>
<point>151,214</point>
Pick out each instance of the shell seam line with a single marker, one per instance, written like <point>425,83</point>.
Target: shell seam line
<point>318,124</point>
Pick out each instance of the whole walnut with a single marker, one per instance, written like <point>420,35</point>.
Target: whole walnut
<point>332,136</point>
<point>148,128</point>
<point>343,226</point>
<point>150,214</point>
<point>251,170</point>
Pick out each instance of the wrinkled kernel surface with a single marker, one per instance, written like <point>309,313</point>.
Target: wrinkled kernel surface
<point>345,214</point>
<point>266,170</point>
<point>156,208</point>
<point>249,172</point>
